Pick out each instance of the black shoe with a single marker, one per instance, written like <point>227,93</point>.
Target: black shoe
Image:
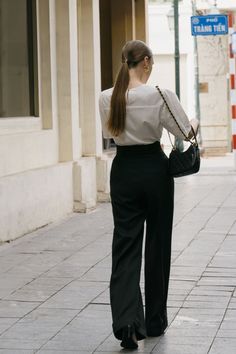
<point>158,331</point>
<point>129,340</point>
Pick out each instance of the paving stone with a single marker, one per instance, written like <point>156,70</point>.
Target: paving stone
<point>208,298</point>
<point>39,289</point>
<point>43,351</point>
<point>38,264</point>
<point>199,313</point>
<point>210,236</point>
<point>103,298</point>
<point>181,284</point>
<point>187,260</point>
<point>172,312</point>
<point>185,340</point>
<point>189,271</point>
<point>225,281</point>
<point>202,291</point>
<point>39,325</point>
<point>199,332</point>
<point>232,304</point>
<point>174,303</point>
<point>220,260</point>
<point>204,246</point>
<point>184,277</point>
<point>222,272</point>
<point>180,349</point>
<point>19,344</point>
<point>204,304</point>
<point>88,257</point>
<point>215,290</point>
<point>230,315</point>
<point>16,308</point>
<point>95,320</point>
<point>228,324</point>
<point>11,283</point>
<point>103,274</point>
<point>112,352</point>
<point>67,270</point>
<point>175,291</point>
<point>193,322</point>
<point>76,295</point>
<point>226,333</point>
<point>6,323</point>
<point>233,229</point>
<point>111,344</point>
<point>176,297</point>
<point>18,351</point>
<point>220,344</point>
<point>106,262</point>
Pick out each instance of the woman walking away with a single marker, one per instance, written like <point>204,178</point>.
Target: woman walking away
<point>134,114</point>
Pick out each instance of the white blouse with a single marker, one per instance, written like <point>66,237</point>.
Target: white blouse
<point>146,115</point>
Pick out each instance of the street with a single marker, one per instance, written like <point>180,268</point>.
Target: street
<point>54,296</point>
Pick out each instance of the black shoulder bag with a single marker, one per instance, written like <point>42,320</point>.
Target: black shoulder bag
<point>186,162</point>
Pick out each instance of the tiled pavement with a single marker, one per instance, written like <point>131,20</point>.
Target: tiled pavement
<point>54,282</point>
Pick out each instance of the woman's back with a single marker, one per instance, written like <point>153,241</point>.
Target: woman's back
<point>146,115</point>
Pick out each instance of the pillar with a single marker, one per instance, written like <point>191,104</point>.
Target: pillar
<point>67,80</point>
<point>89,76</point>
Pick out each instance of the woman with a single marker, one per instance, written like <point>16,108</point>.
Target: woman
<point>134,114</point>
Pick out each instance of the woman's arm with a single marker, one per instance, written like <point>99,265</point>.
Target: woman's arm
<point>177,123</point>
<point>195,125</point>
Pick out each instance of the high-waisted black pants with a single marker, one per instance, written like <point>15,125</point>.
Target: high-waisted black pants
<point>141,190</point>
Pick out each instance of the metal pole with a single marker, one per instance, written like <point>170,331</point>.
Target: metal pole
<point>178,142</point>
<point>196,79</point>
<point>176,29</point>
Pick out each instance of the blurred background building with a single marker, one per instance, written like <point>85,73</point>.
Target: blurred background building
<point>55,58</point>
<point>213,65</point>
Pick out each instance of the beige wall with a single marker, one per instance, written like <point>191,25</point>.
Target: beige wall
<point>24,144</point>
<point>54,164</point>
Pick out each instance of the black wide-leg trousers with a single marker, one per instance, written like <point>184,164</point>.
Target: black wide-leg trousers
<point>141,190</point>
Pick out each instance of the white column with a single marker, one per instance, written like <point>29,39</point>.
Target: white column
<point>89,76</point>
<point>67,80</point>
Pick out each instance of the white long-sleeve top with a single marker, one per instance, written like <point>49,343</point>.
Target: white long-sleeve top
<point>146,115</point>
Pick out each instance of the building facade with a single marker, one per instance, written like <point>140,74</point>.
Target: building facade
<point>55,57</point>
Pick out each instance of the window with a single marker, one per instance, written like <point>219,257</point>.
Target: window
<point>18,59</point>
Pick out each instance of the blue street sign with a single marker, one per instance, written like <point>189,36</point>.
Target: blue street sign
<point>209,25</point>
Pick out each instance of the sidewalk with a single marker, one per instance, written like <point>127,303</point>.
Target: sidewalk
<point>54,295</point>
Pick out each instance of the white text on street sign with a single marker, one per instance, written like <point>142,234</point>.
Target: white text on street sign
<point>209,25</point>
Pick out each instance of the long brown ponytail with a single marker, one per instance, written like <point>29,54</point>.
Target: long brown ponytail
<point>132,53</point>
